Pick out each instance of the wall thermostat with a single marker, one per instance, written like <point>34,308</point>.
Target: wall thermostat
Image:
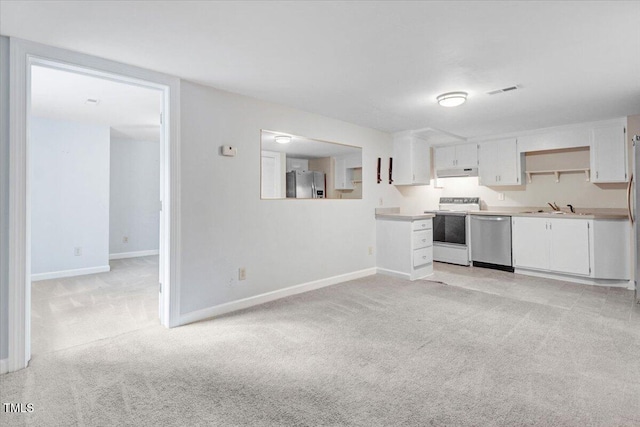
<point>227,150</point>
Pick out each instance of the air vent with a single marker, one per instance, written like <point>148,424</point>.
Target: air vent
<point>92,101</point>
<point>506,89</point>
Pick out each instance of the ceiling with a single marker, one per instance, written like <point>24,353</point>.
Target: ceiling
<point>377,64</point>
<point>132,112</point>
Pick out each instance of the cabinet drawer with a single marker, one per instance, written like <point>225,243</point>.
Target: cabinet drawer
<point>421,224</point>
<point>422,256</point>
<point>422,239</point>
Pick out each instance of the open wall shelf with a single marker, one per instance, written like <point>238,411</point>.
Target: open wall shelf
<point>558,172</point>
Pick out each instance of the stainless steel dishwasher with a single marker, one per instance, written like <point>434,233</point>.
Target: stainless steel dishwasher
<point>491,241</point>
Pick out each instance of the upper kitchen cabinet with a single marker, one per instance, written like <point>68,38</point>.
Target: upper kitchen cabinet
<point>499,162</point>
<point>345,166</point>
<point>411,161</point>
<point>609,153</point>
<point>460,156</point>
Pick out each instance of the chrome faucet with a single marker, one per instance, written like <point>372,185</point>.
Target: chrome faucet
<point>572,209</point>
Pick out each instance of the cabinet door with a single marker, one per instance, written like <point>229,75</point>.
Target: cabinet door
<point>499,162</point>
<point>508,162</point>
<point>342,180</point>
<point>444,157</point>
<point>411,161</point>
<point>466,155</point>
<point>608,154</point>
<point>530,238</point>
<point>487,164</point>
<point>402,160</point>
<point>570,246</point>
<point>420,161</point>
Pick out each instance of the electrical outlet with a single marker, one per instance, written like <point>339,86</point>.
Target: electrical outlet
<point>242,273</point>
<point>500,196</point>
<point>77,251</point>
<point>370,250</point>
<point>125,239</point>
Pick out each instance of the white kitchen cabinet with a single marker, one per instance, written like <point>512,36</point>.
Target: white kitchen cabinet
<point>404,247</point>
<point>530,242</point>
<point>459,156</point>
<point>569,246</point>
<point>560,245</point>
<point>499,163</point>
<point>411,161</point>
<point>344,166</point>
<point>609,153</point>
<point>590,250</point>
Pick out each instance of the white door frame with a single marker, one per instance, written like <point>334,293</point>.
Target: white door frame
<point>24,54</point>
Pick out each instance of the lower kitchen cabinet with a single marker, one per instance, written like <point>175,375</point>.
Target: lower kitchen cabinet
<point>558,245</point>
<point>530,243</point>
<point>404,247</point>
<point>590,248</point>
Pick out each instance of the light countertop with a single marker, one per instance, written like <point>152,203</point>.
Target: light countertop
<point>395,215</point>
<point>616,214</point>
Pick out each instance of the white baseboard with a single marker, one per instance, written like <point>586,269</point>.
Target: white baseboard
<point>70,273</point>
<point>568,278</point>
<point>217,310</point>
<point>419,273</point>
<point>122,255</point>
<point>4,366</point>
<point>393,273</point>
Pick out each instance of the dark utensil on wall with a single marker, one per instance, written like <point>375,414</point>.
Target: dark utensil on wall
<point>390,170</point>
<point>379,167</point>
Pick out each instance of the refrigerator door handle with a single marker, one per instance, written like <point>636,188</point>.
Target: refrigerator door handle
<point>629,186</point>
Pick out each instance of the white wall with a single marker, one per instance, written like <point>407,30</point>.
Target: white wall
<point>134,196</point>
<point>69,195</point>
<point>281,243</point>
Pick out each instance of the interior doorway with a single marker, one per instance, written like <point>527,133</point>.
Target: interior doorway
<point>24,55</point>
<point>95,217</point>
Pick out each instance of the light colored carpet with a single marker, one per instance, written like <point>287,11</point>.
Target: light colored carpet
<point>496,349</point>
<point>78,310</point>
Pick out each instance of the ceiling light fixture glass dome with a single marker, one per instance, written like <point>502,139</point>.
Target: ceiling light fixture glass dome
<point>283,139</point>
<point>452,99</point>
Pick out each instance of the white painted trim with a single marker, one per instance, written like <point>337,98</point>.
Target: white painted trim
<point>4,366</point>
<point>393,273</point>
<point>70,273</point>
<point>575,279</point>
<point>218,310</point>
<point>631,285</point>
<point>122,255</point>
<point>23,54</point>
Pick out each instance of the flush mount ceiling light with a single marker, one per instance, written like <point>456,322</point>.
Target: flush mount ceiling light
<point>452,99</point>
<point>283,139</point>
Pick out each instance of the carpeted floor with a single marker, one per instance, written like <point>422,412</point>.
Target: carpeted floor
<point>490,348</point>
<point>78,310</point>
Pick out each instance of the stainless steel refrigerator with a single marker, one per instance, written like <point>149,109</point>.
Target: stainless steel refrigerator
<point>305,185</point>
<point>633,199</point>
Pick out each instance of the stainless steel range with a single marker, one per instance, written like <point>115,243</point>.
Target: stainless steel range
<point>451,229</point>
